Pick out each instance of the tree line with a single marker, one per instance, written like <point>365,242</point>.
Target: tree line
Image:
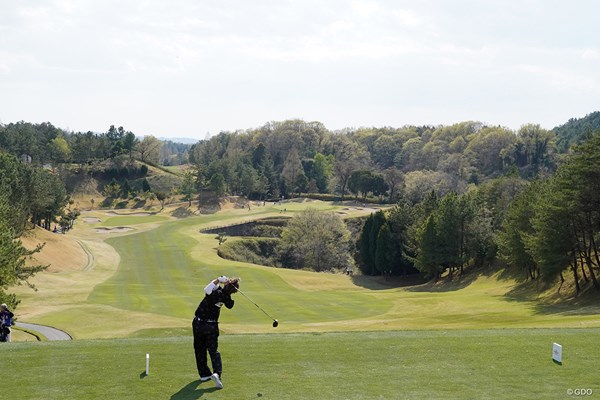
<point>370,164</point>
<point>44,144</point>
<point>464,194</point>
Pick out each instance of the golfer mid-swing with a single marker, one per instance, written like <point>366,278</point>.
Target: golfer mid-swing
<point>206,327</point>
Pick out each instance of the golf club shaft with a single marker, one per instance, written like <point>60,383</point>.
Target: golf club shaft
<point>259,307</point>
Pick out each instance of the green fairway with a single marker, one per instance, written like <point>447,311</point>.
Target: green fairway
<point>483,364</point>
<point>339,337</point>
<point>162,272</point>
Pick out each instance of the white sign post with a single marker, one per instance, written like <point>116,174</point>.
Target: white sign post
<point>557,353</point>
<point>147,364</point>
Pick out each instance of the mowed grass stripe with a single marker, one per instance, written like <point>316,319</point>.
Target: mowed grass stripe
<point>158,275</point>
<point>154,270</point>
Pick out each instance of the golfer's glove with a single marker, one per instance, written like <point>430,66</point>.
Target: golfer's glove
<point>223,279</point>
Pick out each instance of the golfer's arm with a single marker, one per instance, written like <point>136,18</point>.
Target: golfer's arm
<point>211,287</point>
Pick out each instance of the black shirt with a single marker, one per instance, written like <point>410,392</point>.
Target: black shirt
<point>209,308</point>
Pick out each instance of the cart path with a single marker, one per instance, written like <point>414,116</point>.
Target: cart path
<point>48,331</point>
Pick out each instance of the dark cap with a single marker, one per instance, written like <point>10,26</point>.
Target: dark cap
<point>232,286</point>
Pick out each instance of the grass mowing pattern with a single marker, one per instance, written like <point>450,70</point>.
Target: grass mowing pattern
<point>163,271</point>
<point>481,364</point>
<point>154,272</point>
<point>157,275</point>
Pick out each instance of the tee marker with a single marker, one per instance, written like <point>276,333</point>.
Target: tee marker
<point>557,353</point>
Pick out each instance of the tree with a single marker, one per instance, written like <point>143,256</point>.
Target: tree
<point>323,171</point>
<point>292,169</point>
<point>385,251</point>
<point>493,150</point>
<point>115,138</point>
<point>401,220</point>
<point>428,260</point>
<point>316,240</point>
<point>46,196</point>
<point>161,197</point>
<point>348,158</point>
<point>112,190</point>
<point>394,180</point>
<point>60,151</point>
<point>13,186</point>
<point>367,244</point>
<point>188,187</point>
<point>364,247</point>
<point>567,221</point>
<point>217,184</point>
<point>553,245</point>
<point>532,147</point>
<point>361,181</point>
<point>516,229</point>
<point>148,149</point>
<point>576,130</point>
<point>146,186</point>
<point>13,267</point>
<point>129,143</point>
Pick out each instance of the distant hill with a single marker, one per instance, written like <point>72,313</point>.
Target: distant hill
<point>180,140</point>
<point>575,130</point>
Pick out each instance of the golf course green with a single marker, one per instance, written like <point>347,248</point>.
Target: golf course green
<point>339,336</point>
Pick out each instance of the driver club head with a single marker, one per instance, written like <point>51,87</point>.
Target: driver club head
<point>275,323</point>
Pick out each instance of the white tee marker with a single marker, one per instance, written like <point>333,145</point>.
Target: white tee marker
<point>557,353</point>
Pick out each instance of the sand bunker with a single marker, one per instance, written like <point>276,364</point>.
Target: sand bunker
<point>119,229</point>
<point>91,220</point>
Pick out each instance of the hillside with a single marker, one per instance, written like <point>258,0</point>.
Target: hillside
<point>61,252</point>
<point>575,130</point>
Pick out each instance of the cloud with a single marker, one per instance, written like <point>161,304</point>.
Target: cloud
<point>590,54</point>
<point>275,59</point>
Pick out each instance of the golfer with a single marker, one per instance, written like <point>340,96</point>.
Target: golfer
<point>6,317</point>
<point>206,327</point>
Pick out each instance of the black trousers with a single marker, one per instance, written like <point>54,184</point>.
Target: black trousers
<point>206,339</point>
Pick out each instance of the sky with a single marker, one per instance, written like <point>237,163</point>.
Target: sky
<point>193,68</point>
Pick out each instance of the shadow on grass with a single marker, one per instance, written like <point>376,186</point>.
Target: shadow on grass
<point>558,302</point>
<point>191,391</point>
<point>383,283</point>
<point>183,212</point>
<point>455,282</point>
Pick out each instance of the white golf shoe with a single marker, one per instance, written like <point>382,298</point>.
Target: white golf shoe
<point>217,381</point>
<point>205,378</point>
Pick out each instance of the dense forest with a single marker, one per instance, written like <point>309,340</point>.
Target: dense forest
<point>462,195</point>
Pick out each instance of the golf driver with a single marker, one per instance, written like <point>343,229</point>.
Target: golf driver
<point>275,322</point>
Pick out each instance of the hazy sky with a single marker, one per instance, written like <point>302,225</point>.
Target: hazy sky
<point>182,68</point>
